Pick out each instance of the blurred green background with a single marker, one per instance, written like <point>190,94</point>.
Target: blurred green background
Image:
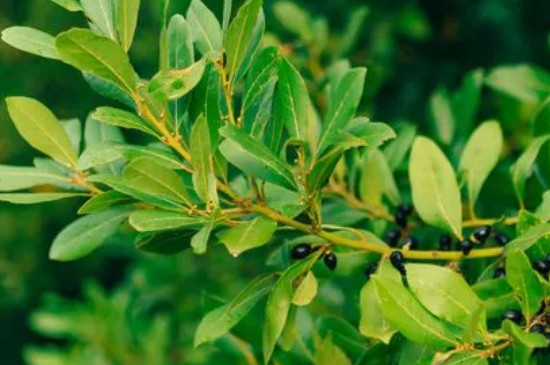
<point>105,307</point>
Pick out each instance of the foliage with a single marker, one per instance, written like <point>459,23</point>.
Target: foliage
<point>240,149</point>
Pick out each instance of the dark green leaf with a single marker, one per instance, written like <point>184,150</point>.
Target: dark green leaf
<point>524,281</point>
<point>103,201</point>
<point>523,168</point>
<point>201,151</point>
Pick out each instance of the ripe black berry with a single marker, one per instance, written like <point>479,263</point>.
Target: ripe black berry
<point>537,328</point>
<point>466,246</point>
<point>330,261</point>
<point>499,272</point>
<point>482,233</point>
<point>501,238</point>
<point>371,269</point>
<point>397,260</point>
<point>301,251</point>
<point>542,267</point>
<point>400,219</point>
<point>445,242</point>
<point>411,242</point>
<point>392,237</point>
<point>405,209</point>
<point>513,315</point>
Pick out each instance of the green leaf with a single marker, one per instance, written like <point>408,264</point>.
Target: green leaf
<point>292,100</point>
<point>41,129</point>
<point>527,83</point>
<point>306,291</point>
<point>253,47</point>
<point>397,149</point>
<point>323,168</point>
<point>442,117</point>
<point>180,43</point>
<point>523,168</point>
<point>173,84</point>
<point>221,320</point>
<point>329,353</point>
<point>101,14</point>
<point>70,5</point>
<point>524,281</point>
<point>73,128</point>
<point>445,293</point>
<point>165,242</point>
<point>466,358</point>
<point>254,158</point>
<point>279,303</point>
<point>343,107</point>
<point>205,28</point>
<point>529,238</point>
<point>373,323</point>
<point>377,181</point>
<point>353,30</point>
<point>294,18</point>
<point>435,192</point>
<point>17,178</point>
<point>528,339</point>
<point>87,234</point>
<point>264,67</point>
<point>466,101</point>
<point>31,40</point>
<point>104,201</point>
<point>480,156</point>
<point>101,56</point>
<point>414,354</point>
<point>126,22</point>
<point>158,220</point>
<point>249,235</point>
<point>201,152</point>
<point>240,34</point>
<point>34,198</point>
<point>403,311</point>
<point>227,8</point>
<point>199,242</point>
<point>369,134</point>
<point>122,118</point>
<point>109,89</point>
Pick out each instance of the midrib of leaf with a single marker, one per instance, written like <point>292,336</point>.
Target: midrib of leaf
<point>239,43</point>
<point>293,107</point>
<point>203,161</point>
<point>172,218</point>
<point>165,185</point>
<point>71,160</point>
<point>125,35</point>
<point>525,296</point>
<point>203,31</point>
<point>106,16</point>
<point>466,360</point>
<point>248,102</point>
<point>99,226</point>
<point>439,199</point>
<point>32,174</point>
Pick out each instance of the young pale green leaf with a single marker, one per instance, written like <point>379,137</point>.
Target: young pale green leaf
<point>442,117</point>
<point>98,55</point>
<point>73,128</point>
<point>292,100</point>
<point>480,156</point>
<point>204,179</point>
<point>377,181</point>
<point>306,291</point>
<point>174,84</point>
<point>158,220</point>
<point>220,321</point>
<point>253,157</point>
<point>240,35</point>
<point>396,150</point>
<point>371,135</point>
<point>373,323</point>
<point>328,353</point>
<point>87,234</point>
<point>126,22</point>
<point>180,43</point>
<point>18,178</point>
<point>70,5</point>
<point>249,235</point>
<point>343,107</point>
<point>527,83</point>
<point>435,192</point>
<point>405,313</point>
<point>103,201</point>
<point>31,40</point>
<point>279,304</point>
<point>524,281</point>
<point>529,238</point>
<point>523,168</point>
<point>101,14</point>
<point>294,18</point>
<point>205,28</point>
<point>34,198</point>
<point>152,178</point>
<point>41,129</point>
<point>122,118</point>
<point>227,8</point>
<point>199,242</point>
<point>445,293</point>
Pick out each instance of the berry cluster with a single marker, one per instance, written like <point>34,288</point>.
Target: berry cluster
<point>478,237</point>
<point>541,324</point>
<point>303,250</point>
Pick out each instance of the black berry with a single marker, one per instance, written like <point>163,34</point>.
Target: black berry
<point>397,260</point>
<point>501,238</point>
<point>411,242</point>
<point>405,209</point>
<point>301,251</point>
<point>400,219</point>
<point>542,267</point>
<point>330,260</point>
<point>499,272</point>
<point>482,233</point>
<point>466,246</point>
<point>392,237</point>
<point>371,269</point>
<point>537,328</point>
<point>445,242</point>
<point>513,315</point>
